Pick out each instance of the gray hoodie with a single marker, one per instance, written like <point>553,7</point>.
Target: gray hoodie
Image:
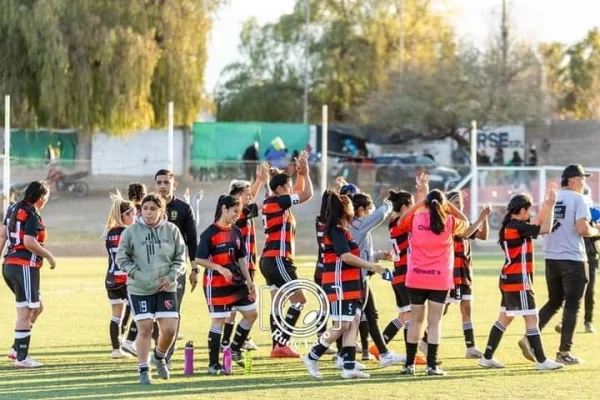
<point>148,253</point>
<point>361,229</point>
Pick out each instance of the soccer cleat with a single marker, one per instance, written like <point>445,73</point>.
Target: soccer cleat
<point>145,378</point>
<point>589,328</point>
<point>117,353</point>
<point>526,349</point>
<point>354,374</point>
<point>558,328</point>
<point>548,365</point>
<point>408,370</point>
<point>284,352</point>
<point>473,353</point>
<point>374,351</point>
<point>423,347</point>
<point>491,363</point>
<point>339,364</point>
<point>568,359</point>
<point>161,367</point>
<point>437,371</point>
<point>216,369</point>
<point>250,345</point>
<point>129,347</point>
<point>12,354</point>
<point>312,367</point>
<point>391,358</point>
<point>238,358</point>
<point>28,362</point>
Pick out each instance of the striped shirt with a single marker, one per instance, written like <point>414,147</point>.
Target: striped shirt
<point>28,222</point>
<point>517,272</point>
<point>400,250</point>
<point>115,278</point>
<point>248,229</point>
<point>340,280</point>
<point>280,226</point>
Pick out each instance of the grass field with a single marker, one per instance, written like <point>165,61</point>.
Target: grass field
<point>71,339</point>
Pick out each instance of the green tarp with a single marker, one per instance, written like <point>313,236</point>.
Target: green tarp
<point>29,147</point>
<point>224,141</point>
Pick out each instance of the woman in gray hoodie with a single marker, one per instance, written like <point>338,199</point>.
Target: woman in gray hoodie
<point>366,219</point>
<point>152,253</point>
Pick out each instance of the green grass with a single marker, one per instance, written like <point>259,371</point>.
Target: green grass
<point>71,339</point>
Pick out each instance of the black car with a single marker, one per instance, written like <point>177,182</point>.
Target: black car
<point>400,170</point>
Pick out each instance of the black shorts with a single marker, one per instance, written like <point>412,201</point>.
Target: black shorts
<point>518,303</point>
<point>460,293</point>
<point>402,297</point>
<point>345,310</point>
<point>419,296</point>
<point>24,282</point>
<point>224,311</point>
<point>278,271</point>
<point>158,305</point>
<point>117,296</point>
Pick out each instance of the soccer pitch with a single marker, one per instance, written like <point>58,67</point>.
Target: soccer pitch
<point>71,338</point>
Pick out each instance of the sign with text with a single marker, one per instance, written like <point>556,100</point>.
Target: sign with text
<point>509,138</point>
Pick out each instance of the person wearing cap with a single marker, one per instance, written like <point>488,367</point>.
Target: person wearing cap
<point>566,258</point>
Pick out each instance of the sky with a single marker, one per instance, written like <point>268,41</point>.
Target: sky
<point>536,21</point>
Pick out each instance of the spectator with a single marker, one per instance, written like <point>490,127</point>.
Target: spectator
<point>251,158</point>
<point>517,160</point>
<point>498,156</point>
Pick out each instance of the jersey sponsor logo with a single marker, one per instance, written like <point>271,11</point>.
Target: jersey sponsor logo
<point>560,210</point>
<point>173,215</point>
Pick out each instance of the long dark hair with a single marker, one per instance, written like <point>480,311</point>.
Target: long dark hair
<point>361,200</point>
<point>322,217</point>
<point>136,192</point>
<point>228,201</point>
<point>35,191</point>
<point>516,203</point>
<point>337,212</point>
<point>399,199</point>
<point>437,216</point>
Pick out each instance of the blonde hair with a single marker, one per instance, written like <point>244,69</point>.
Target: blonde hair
<point>115,216</point>
<point>236,187</point>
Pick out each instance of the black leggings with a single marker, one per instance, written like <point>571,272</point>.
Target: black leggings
<point>370,310</point>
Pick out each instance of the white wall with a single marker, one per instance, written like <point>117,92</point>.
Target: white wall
<point>139,154</point>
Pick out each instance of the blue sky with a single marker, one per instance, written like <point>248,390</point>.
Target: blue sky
<point>536,21</point>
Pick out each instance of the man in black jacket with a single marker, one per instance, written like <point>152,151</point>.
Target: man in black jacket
<point>181,214</point>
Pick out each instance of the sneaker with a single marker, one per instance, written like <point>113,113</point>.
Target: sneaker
<point>408,370</point>
<point>568,359</point>
<point>216,369</point>
<point>161,367</point>
<point>238,358</point>
<point>250,345</point>
<point>312,367</point>
<point>548,365</point>
<point>354,374</point>
<point>422,360</point>
<point>423,347</point>
<point>28,362</point>
<point>12,354</point>
<point>169,364</point>
<point>284,352</point>
<point>473,353</point>
<point>145,378</point>
<point>558,328</point>
<point>437,371</point>
<point>491,363</point>
<point>374,352</point>
<point>589,328</point>
<point>117,353</point>
<point>339,364</point>
<point>180,336</point>
<point>526,349</point>
<point>129,347</point>
<point>391,358</point>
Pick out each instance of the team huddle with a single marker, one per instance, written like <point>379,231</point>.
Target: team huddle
<point>148,237</point>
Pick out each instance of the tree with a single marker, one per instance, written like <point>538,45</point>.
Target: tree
<point>103,64</point>
<point>352,46</point>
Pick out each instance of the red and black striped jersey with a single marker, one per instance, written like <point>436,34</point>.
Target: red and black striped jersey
<point>517,272</point>
<point>248,229</point>
<point>340,280</point>
<point>320,229</point>
<point>462,261</point>
<point>280,226</point>
<point>223,246</point>
<point>26,221</point>
<point>115,278</point>
<point>400,249</point>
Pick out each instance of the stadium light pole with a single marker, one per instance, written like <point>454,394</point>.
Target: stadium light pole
<point>6,160</point>
<point>474,174</point>
<point>306,54</point>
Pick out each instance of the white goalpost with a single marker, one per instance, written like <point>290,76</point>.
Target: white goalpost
<point>6,157</point>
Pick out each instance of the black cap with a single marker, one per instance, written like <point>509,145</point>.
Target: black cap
<point>574,170</point>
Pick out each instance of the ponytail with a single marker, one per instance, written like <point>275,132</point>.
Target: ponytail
<point>515,205</point>
<point>400,199</point>
<point>34,191</point>
<point>437,216</point>
<point>228,201</point>
<point>118,208</point>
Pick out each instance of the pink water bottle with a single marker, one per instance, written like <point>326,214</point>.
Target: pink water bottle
<point>227,360</point>
<point>188,355</point>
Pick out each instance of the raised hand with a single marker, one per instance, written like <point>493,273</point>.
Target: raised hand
<point>485,213</point>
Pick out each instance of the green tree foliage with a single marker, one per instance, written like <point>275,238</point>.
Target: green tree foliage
<point>103,64</point>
